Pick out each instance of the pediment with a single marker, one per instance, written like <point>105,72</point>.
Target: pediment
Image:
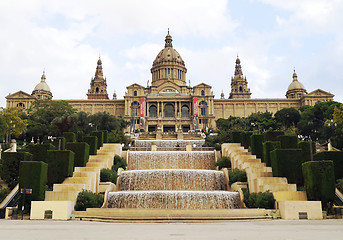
<point>135,85</point>
<point>202,85</point>
<point>20,95</point>
<point>320,93</point>
<point>169,87</point>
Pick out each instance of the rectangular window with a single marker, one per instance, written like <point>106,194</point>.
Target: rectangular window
<point>165,73</point>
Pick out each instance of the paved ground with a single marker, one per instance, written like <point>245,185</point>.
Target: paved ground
<point>264,230</point>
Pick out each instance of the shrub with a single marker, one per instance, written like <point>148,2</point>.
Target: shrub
<point>223,162</point>
<point>79,136</point>
<point>117,136</point>
<point>108,175</point>
<point>81,151</point>
<point>237,175</point>
<point>61,165</point>
<point>336,157</point>
<point>272,135</point>
<point>10,166</point>
<point>288,142</point>
<point>245,139</point>
<point>339,185</point>
<point>100,136</point>
<point>3,193</point>
<point>287,163</point>
<point>235,136</point>
<point>87,199</point>
<point>259,200</point>
<point>267,148</point>
<point>305,148</point>
<point>59,142</point>
<point>319,181</point>
<point>40,151</point>
<point>93,144</point>
<point>33,175</point>
<point>105,136</point>
<point>257,145</point>
<point>118,162</point>
<point>69,136</point>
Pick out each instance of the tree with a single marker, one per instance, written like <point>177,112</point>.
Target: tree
<point>14,123</point>
<point>288,117</point>
<point>265,121</point>
<point>3,127</point>
<point>42,113</point>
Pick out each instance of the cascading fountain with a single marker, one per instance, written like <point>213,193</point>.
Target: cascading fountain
<point>169,143</point>
<point>172,180</point>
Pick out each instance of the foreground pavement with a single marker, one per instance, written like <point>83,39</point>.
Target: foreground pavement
<point>81,230</point>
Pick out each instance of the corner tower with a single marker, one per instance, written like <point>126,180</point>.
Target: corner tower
<point>98,88</point>
<point>168,65</point>
<point>239,84</point>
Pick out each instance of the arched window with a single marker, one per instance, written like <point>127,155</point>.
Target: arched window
<point>169,110</point>
<point>97,90</point>
<point>134,93</point>
<point>134,108</point>
<point>184,111</point>
<point>202,93</point>
<point>241,89</point>
<point>203,107</point>
<point>153,111</point>
<point>21,105</point>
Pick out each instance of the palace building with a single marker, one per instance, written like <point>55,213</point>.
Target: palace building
<point>168,103</point>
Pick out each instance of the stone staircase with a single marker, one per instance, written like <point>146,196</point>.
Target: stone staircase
<point>87,178</point>
<point>260,179</point>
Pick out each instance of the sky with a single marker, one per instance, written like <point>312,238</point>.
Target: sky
<point>65,38</point>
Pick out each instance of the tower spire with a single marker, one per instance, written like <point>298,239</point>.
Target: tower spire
<point>239,84</point>
<point>168,40</point>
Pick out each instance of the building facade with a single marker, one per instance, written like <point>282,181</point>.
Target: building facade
<point>169,104</point>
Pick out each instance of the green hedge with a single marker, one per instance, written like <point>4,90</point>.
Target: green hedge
<point>40,151</point>
<point>287,163</point>
<point>237,175</point>
<point>259,200</point>
<point>267,148</point>
<point>61,165</point>
<point>56,143</point>
<point>223,162</point>
<point>319,181</point>
<point>33,175</point>
<point>257,145</point>
<point>93,144</point>
<point>235,136</point>
<point>69,136</point>
<point>10,166</point>
<point>105,136</point>
<point>305,148</point>
<point>100,136</point>
<point>119,162</point>
<point>245,139</point>
<point>336,157</point>
<point>79,136</point>
<point>108,175</point>
<point>288,142</point>
<point>81,151</point>
<point>87,199</point>
<point>272,135</point>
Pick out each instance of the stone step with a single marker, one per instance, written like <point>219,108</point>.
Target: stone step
<point>276,187</point>
<point>68,187</point>
<point>89,184</point>
<point>61,196</point>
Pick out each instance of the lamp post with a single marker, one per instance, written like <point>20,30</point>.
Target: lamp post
<point>9,135</point>
<point>92,125</point>
<point>54,138</point>
<point>258,126</point>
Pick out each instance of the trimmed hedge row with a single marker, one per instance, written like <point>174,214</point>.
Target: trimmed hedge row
<point>69,136</point>
<point>93,144</point>
<point>33,175</point>
<point>105,136</point>
<point>319,181</point>
<point>81,151</point>
<point>257,145</point>
<point>287,163</point>
<point>272,135</point>
<point>336,157</point>
<point>245,139</point>
<point>10,166</point>
<point>61,165</point>
<point>235,136</point>
<point>305,148</point>
<point>288,142</point>
<point>40,151</point>
<point>100,136</point>
<point>267,148</point>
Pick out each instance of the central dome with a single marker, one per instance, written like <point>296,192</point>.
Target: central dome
<point>168,65</point>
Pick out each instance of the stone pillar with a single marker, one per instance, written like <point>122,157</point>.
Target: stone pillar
<point>188,147</point>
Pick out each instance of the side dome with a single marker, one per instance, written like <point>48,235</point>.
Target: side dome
<point>168,65</point>
<point>295,89</point>
<point>42,89</point>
